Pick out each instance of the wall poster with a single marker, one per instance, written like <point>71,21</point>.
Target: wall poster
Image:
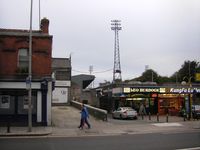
<point>5,101</point>
<point>25,102</point>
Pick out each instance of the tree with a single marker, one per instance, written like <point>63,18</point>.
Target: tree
<point>188,70</point>
<point>175,77</point>
<point>148,76</point>
<point>163,79</point>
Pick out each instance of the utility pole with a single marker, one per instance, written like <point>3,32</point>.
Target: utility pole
<point>39,15</point>
<point>146,67</point>
<point>116,26</point>
<point>190,95</point>
<point>190,98</point>
<point>152,76</point>
<point>91,70</point>
<point>189,78</point>
<point>30,74</point>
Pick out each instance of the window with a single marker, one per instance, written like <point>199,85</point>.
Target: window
<point>23,58</point>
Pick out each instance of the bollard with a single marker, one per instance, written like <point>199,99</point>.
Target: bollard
<point>157,117</point>
<point>8,126</point>
<point>188,117</point>
<point>106,117</point>
<point>149,116</point>
<point>184,117</point>
<point>167,117</point>
<point>142,116</point>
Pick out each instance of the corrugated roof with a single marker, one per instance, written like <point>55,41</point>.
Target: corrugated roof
<point>83,80</point>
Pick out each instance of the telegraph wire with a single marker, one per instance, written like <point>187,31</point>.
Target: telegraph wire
<point>79,71</point>
<point>92,72</point>
<point>103,71</point>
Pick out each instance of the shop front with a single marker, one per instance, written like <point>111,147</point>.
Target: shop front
<point>162,100</point>
<point>171,104</point>
<point>148,96</point>
<point>14,103</point>
<point>180,99</point>
<point>171,99</point>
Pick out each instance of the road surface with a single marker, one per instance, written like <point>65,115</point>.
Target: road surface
<point>154,141</point>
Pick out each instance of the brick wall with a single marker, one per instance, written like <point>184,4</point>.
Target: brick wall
<point>41,55</point>
<point>11,40</point>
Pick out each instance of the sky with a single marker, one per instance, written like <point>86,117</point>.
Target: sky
<point>160,34</point>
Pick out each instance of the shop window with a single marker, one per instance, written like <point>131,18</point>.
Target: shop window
<point>171,106</point>
<point>7,104</point>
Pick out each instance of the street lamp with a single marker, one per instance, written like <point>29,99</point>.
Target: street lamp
<point>30,74</point>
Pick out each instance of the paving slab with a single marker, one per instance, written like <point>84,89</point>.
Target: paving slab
<point>66,119</point>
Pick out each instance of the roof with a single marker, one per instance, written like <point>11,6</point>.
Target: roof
<point>21,32</point>
<point>83,80</point>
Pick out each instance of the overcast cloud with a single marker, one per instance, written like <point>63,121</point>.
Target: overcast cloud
<point>159,33</point>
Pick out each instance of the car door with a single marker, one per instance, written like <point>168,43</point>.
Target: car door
<point>118,112</point>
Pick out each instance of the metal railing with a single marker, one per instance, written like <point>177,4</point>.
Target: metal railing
<point>96,112</point>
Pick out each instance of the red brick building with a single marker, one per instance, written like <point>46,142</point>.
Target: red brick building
<point>14,51</point>
<point>14,41</point>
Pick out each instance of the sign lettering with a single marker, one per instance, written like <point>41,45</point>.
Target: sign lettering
<point>184,90</point>
<point>141,90</point>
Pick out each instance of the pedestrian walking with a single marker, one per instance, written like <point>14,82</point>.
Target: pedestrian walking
<point>84,117</point>
<point>142,110</point>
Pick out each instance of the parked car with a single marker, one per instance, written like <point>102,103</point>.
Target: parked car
<point>196,111</point>
<point>125,113</point>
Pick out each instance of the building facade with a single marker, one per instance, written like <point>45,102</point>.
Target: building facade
<point>14,60</point>
<point>61,72</point>
<point>162,99</point>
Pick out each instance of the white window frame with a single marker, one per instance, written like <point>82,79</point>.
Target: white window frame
<point>25,57</point>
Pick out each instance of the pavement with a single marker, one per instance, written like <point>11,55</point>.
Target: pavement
<point>66,119</point>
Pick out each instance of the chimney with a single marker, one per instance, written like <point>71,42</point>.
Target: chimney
<point>44,26</point>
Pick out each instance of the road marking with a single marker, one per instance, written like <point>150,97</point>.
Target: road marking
<point>167,124</point>
<point>194,148</point>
